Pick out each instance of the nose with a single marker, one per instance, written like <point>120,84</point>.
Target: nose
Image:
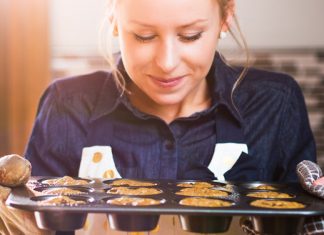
<point>167,55</point>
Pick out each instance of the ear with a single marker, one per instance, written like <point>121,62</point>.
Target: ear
<point>113,24</point>
<point>228,16</point>
<point>115,30</point>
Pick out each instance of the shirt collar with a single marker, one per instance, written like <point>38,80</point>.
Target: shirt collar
<point>221,78</point>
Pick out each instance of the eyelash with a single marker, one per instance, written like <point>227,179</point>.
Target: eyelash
<point>144,38</point>
<point>191,38</point>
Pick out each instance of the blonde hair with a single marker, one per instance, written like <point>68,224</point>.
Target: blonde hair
<point>107,32</point>
<point>106,47</point>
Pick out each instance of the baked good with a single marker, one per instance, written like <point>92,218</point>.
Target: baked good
<point>198,184</point>
<point>128,182</point>
<point>61,191</point>
<point>14,170</point>
<point>202,192</point>
<point>133,201</point>
<point>204,202</point>
<point>277,204</point>
<point>61,200</point>
<point>265,187</point>
<point>66,180</point>
<point>134,191</point>
<point>269,194</point>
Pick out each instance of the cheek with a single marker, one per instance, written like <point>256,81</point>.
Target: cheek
<point>134,56</point>
<point>202,54</point>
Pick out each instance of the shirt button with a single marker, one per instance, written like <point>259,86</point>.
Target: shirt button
<point>169,145</point>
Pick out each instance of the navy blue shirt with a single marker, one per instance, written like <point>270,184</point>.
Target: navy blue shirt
<point>268,114</point>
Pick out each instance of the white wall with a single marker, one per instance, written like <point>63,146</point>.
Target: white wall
<point>265,24</point>
<point>282,23</point>
<point>75,24</point>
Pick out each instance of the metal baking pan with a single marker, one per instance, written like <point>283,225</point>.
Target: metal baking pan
<point>145,218</point>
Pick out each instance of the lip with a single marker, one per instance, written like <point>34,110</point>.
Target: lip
<point>167,82</point>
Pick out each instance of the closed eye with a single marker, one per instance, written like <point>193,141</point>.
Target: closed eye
<point>144,38</point>
<point>190,38</point>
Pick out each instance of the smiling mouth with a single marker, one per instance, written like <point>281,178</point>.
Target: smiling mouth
<point>167,82</point>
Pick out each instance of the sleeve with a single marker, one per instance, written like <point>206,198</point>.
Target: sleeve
<point>54,147</point>
<point>296,137</point>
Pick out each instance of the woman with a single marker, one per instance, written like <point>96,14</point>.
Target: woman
<point>172,108</point>
<point>179,98</point>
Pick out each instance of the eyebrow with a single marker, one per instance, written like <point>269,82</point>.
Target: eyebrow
<point>181,26</point>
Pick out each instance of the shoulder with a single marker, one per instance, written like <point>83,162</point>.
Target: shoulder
<point>263,80</point>
<point>86,84</point>
<point>81,93</point>
<point>265,84</point>
<point>261,88</point>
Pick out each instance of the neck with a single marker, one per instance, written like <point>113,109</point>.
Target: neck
<point>169,112</point>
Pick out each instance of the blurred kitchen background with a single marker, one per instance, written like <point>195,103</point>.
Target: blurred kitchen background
<point>42,40</point>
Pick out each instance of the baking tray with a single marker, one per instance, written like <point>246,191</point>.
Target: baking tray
<point>144,218</point>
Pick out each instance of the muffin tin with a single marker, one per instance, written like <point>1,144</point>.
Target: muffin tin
<point>64,217</point>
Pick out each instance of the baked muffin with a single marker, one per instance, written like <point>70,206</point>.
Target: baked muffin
<point>128,182</point>
<point>198,184</point>
<point>133,201</point>
<point>277,204</point>
<point>14,170</point>
<point>61,200</point>
<point>133,191</point>
<point>269,194</point>
<point>202,192</point>
<point>264,187</point>
<point>204,202</point>
<point>61,191</point>
<point>66,180</point>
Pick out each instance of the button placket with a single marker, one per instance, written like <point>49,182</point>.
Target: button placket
<point>169,144</point>
<point>169,164</point>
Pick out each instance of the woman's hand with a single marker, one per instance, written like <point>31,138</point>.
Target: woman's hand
<point>319,181</point>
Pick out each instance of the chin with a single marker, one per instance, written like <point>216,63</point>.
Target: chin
<point>165,101</point>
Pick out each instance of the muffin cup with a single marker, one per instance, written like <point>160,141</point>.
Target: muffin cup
<point>43,181</point>
<point>291,196</point>
<point>157,198</point>
<point>133,222</point>
<point>132,193</point>
<point>279,225</point>
<point>82,190</point>
<point>205,223</point>
<point>60,221</point>
<point>254,186</point>
<point>192,183</point>
<point>110,182</point>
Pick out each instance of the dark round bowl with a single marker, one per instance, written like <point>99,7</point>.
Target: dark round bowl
<point>60,221</point>
<point>279,225</point>
<point>133,222</point>
<point>205,223</point>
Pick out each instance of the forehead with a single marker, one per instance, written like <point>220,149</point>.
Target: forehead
<point>166,12</point>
